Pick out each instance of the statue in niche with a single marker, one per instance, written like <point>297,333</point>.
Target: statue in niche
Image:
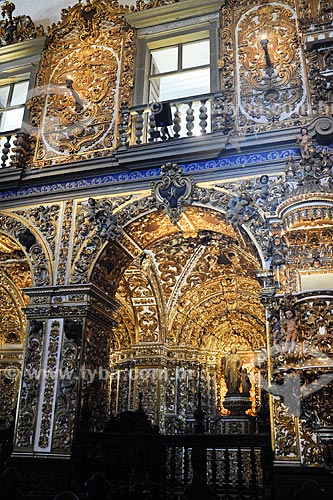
<point>289,330</point>
<point>246,383</point>
<point>276,329</point>
<point>233,372</point>
<point>304,142</point>
<point>277,250</point>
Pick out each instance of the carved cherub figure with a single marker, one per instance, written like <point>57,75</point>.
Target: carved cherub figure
<point>304,141</point>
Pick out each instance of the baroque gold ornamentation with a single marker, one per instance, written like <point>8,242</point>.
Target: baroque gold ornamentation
<point>39,256</point>
<point>9,386</point>
<point>95,224</point>
<point>150,4</point>
<point>285,433</point>
<point>49,385</point>
<point>173,191</point>
<point>97,349</point>
<point>16,29</point>
<point>68,393</point>
<point>92,63</point>
<point>64,251</point>
<point>262,96</point>
<point>44,218</point>
<point>260,101</point>
<point>29,385</point>
<point>13,322</point>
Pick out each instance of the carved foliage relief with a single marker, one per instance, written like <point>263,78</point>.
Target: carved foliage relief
<point>39,256</point>
<point>30,387</point>
<point>48,392</point>
<point>12,320</point>
<point>268,65</point>
<point>67,394</point>
<point>77,101</point>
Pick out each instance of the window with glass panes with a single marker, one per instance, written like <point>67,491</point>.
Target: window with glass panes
<point>178,71</point>
<point>12,101</point>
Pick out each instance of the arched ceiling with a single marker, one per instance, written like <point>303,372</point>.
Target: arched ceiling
<point>191,284</point>
<point>14,275</point>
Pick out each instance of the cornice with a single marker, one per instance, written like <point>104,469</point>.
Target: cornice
<point>174,12</point>
<point>20,50</point>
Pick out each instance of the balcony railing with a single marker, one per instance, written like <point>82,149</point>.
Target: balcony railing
<point>14,149</point>
<point>234,466</point>
<point>191,117</point>
<point>6,145</point>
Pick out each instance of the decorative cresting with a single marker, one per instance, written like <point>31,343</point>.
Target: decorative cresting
<point>149,4</point>
<point>173,192</point>
<point>316,12</point>
<point>85,74</point>
<point>32,241</point>
<point>16,29</point>
<point>262,65</point>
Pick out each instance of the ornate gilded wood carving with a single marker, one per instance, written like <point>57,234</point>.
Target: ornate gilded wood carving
<point>270,80</point>
<point>261,63</point>
<point>33,244</point>
<point>18,28</point>
<point>85,74</point>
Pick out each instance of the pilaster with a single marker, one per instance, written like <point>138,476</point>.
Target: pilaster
<point>67,324</point>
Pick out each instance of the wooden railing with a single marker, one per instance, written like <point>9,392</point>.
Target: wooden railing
<point>6,145</point>
<point>233,466</point>
<point>191,117</point>
<point>14,149</point>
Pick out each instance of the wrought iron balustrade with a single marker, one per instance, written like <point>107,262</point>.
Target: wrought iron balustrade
<point>189,117</point>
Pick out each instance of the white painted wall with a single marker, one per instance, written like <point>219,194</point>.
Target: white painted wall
<point>46,12</point>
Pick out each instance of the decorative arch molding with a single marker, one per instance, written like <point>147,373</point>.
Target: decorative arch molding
<point>33,245</point>
<point>111,219</point>
<point>13,322</point>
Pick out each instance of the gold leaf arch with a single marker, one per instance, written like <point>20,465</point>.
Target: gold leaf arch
<point>193,283</point>
<point>15,274</point>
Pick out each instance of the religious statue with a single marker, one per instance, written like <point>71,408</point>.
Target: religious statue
<point>289,329</point>
<point>246,382</point>
<point>304,141</point>
<point>233,371</point>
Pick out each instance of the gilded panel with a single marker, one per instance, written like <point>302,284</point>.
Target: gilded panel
<point>85,75</point>
<point>268,65</point>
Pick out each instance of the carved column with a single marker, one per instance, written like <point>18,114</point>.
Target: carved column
<point>66,356</point>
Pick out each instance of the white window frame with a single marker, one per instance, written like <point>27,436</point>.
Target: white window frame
<point>184,21</point>
<point>8,106</point>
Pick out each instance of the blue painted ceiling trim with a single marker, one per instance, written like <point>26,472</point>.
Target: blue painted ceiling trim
<point>241,160</point>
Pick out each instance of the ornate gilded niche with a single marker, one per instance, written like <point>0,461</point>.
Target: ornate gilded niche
<point>85,74</point>
<point>269,73</point>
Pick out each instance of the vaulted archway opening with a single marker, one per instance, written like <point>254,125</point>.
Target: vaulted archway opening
<point>187,294</point>
<point>15,275</point>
